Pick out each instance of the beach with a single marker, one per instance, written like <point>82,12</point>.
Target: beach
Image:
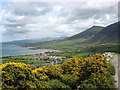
<point>14,50</point>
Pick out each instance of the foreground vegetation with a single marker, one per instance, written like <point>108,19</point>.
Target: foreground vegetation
<point>91,72</point>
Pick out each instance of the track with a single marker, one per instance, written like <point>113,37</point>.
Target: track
<point>116,64</point>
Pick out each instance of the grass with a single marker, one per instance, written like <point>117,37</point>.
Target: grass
<point>23,59</point>
<point>84,50</point>
<point>61,44</point>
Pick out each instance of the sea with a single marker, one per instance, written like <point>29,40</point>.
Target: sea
<point>14,50</point>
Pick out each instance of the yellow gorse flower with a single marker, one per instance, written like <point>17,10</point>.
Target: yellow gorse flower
<point>22,65</point>
<point>94,69</point>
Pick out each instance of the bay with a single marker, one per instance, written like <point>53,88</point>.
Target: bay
<point>13,50</point>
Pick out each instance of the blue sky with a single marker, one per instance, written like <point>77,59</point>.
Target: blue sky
<point>30,20</point>
<point>4,4</point>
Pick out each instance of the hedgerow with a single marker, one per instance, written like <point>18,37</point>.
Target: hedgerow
<point>91,72</point>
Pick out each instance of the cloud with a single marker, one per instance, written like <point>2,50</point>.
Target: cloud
<point>28,20</point>
<point>89,10</point>
<point>30,8</point>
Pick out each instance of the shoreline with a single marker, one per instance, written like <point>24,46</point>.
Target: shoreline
<point>38,51</point>
<point>33,48</point>
<point>42,50</point>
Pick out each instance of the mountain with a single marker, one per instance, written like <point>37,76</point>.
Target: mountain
<point>107,35</point>
<point>89,33</point>
<point>33,42</point>
<point>95,34</point>
<point>77,39</point>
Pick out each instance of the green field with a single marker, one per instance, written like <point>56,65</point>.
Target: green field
<point>61,44</point>
<point>84,50</point>
<point>25,59</point>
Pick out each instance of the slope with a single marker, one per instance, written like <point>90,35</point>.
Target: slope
<point>89,33</point>
<point>74,40</point>
<point>107,35</point>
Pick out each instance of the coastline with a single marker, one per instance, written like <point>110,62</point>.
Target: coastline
<point>37,51</point>
<point>42,50</point>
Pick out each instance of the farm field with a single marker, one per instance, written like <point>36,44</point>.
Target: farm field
<point>85,50</point>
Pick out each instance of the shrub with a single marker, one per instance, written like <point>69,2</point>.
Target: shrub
<point>111,69</point>
<point>98,80</point>
<point>70,80</point>
<point>40,74</point>
<point>46,73</point>
<point>91,72</point>
<point>95,69</point>
<point>17,76</point>
<point>56,84</point>
<point>53,84</point>
<point>86,84</point>
<point>44,85</point>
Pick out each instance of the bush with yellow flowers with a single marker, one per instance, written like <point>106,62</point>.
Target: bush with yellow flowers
<point>40,74</point>
<point>70,80</point>
<point>48,72</point>
<point>17,76</point>
<point>91,72</point>
<point>54,84</point>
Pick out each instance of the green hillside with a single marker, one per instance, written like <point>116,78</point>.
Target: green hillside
<point>107,35</point>
<point>103,40</point>
<point>61,44</point>
<point>73,40</point>
<point>84,50</point>
<point>89,33</point>
<point>95,34</point>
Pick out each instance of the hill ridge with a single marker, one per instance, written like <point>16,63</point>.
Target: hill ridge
<point>107,35</point>
<point>90,32</point>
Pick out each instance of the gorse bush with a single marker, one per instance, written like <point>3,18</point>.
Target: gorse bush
<point>48,72</point>
<point>95,71</point>
<point>53,84</point>
<point>70,80</point>
<point>17,76</point>
<point>91,72</point>
<point>57,84</point>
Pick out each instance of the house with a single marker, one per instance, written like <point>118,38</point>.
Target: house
<point>42,57</point>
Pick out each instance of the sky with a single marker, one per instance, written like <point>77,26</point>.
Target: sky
<point>31,20</point>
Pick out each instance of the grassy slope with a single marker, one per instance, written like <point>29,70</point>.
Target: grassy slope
<point>107,35</point>
<point>62,44</point>
<point>89,33</point>
<point>85,50</point>
<point>77,39</point>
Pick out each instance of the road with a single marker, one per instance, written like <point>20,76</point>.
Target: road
<point>116,63</point>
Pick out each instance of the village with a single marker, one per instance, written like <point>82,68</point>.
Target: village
<point>47,60</point>
<point>54,60</point>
